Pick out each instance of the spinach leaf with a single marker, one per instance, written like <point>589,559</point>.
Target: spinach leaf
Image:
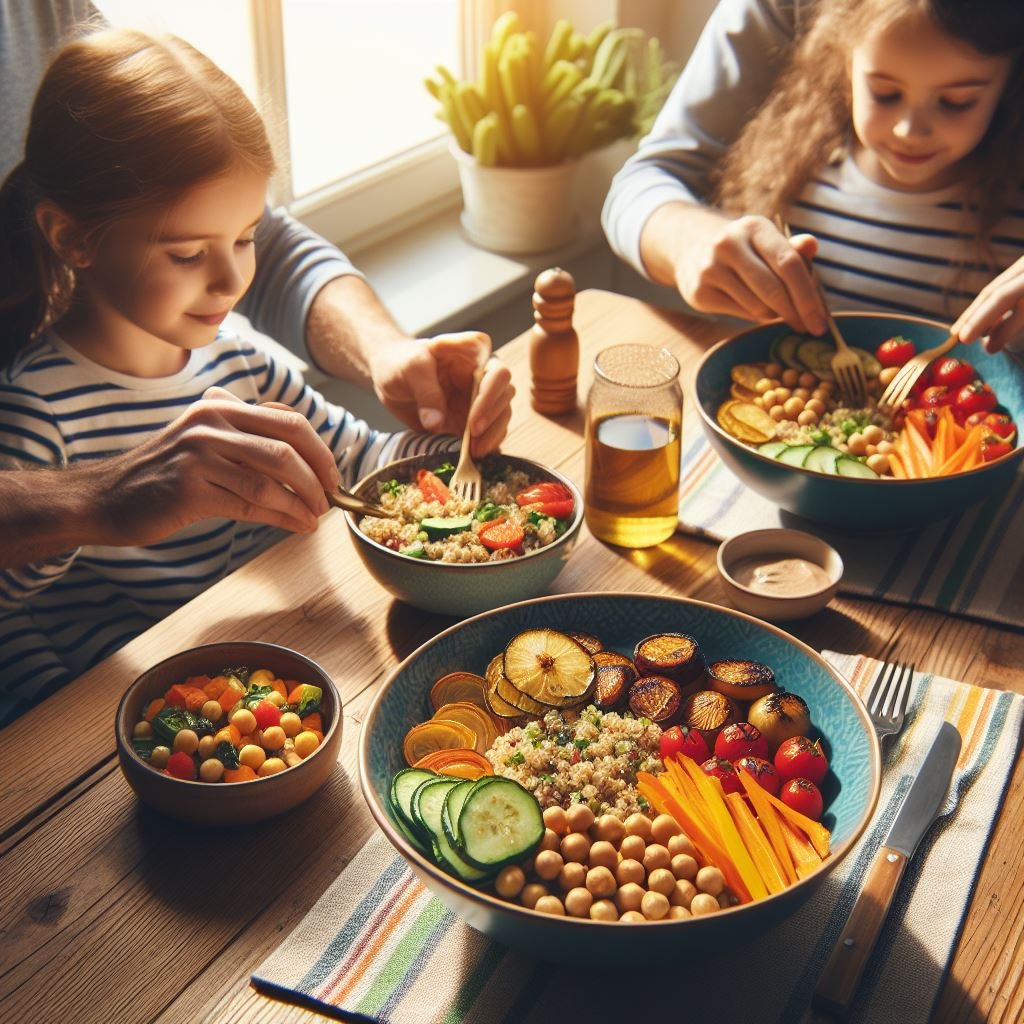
<point>170,721</point>
<point>226,754</point>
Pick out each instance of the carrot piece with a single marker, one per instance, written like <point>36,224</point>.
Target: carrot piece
<point>764,811</point>
<point>294,691</point>
<point>176,695</point>
<point>229,698</point>
<point>896,466</point>
<point>195,699</point>
<point>215,687</point>
<point>278,687</point>
<point>153,708</point>
<point>805,857</point>
<point>243,773</point>
<point>757,843</point>
<point>229,733</point>
<point>942,446</point>
<point>918,446</point>
<point>819,836</point>
<point>690,796</point>
<point>314,722</point>
<point>961,457</point>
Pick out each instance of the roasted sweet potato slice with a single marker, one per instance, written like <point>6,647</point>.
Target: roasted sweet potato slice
<point>657,698</point>
<point>613,683</point>
<point>675,655</point>
<point>741,680</point>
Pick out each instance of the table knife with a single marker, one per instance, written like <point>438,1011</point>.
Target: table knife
<point>919,809</point>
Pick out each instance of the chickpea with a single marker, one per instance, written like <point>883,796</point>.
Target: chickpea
<point>531,894</point>
<point>807,418</point>
<point>551,840</point>
<point>579,817</point>
<point>683,893</point>
<point>802,393</point>
<point>632,848</point>
<point>758,401</point>
<point>252,756</point>
<point>578,902</point>
<point>630,871</point>
<point>211,770</point>
<point>777,413</point>
<point>554,819</point>
<point>656,856</point>
<point>661,880</point>
<point>629,897</point>
<point>792,407</point>
<point>880,464</point>
<point>763,385</point>
<point>604,910</point>
<point>633,917</point>
<point>185,742</point>
<point>273,738</point>
<point>548,864</point>
<point>773,370</point>
<point>158,759</point>
<point>663,828</point>
<point>654,906</point>
<point>790,377</point>
<point>601,882</point>
<point>873,433</point>
<point>886,375</point>
<point>768,399</point>
<point>305,743</point>
<point>510,881</point>
<point>870,449</point>
<point>603,854</point>
<point>681,844</point>
<point>609,828</point>
<point>678,913</point>
<point>710,880</point>
<point>884,447</point>
<point>808,380</point>
<point>572,876</point>
<point>639,825</point>
<point>684,865</point>
<point>828,386</point>
<point>291,723</point>
<point>857,443</point>
<point>207,747</point>
<point>271,766</point>
<point>142,730</point>
<point>783,394</point>
<point>576,846</point>
<point>819,394</point>
<point>244,721</point>
<point>212,710</point>
<point>814,405</point>
<point>703,903</point>
<point>550,905</point>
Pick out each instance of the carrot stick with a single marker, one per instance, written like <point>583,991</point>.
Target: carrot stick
<point>805,857</point>
<point>760,849</point>
<point>819,836</point>
<point>958,461</point>
<point>896,466</point>
<point>919,447</point>
<point>769,822</point>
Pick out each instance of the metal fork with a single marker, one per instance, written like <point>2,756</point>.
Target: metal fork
<point>466,482</point>
<point>889,697</point>
<point>899,388</point>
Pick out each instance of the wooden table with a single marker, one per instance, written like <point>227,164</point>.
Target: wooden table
<point>111,913</point>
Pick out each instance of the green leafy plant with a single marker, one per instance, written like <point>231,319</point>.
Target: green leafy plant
<point>534,107</point>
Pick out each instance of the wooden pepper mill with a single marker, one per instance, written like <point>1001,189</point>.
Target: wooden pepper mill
<point>554,346</point>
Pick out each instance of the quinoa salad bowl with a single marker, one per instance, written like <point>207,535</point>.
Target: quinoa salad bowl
<point>459,558</point>
<point>797,467</point>
<point>585,761</point>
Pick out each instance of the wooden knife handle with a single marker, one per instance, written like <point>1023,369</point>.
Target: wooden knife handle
<point>842,973</point>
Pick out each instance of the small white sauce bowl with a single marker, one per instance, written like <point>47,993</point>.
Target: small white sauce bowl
<point>778,544</point>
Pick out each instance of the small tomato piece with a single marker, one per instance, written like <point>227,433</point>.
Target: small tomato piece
<point>501,533</point>
<point>740,739</point>
<point>974,397</point>
<point>936,395</point>
<point>762,770</point>
<point>181,766</point>
<point>895,351</point>
<point>723,770</point>
<point>1001,424</point>
<point>549,498</point>
<point>803,796</point>
<point>432,487</point>
<point>993,447</point>
<point>800,757</point>
<point>681,739</point>
<point>266,714</point>
<point>952,373</point>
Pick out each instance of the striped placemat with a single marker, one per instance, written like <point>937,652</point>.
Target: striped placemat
<point>971,565</point>
<point>377,947</point>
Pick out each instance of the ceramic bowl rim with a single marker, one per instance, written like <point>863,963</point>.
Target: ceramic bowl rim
<point>438,566</point>
<point>196,785</point>
<point>710,424</point>
<point>782,533</point>
<point>491,903</point>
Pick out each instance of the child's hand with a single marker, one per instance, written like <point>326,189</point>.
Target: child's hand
<point>426,384</point>
<point>997,313</point>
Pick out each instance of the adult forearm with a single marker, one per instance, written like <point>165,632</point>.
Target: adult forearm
<point>671,232</point>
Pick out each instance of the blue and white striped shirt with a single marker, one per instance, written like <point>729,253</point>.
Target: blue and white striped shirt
<point>57,408</point>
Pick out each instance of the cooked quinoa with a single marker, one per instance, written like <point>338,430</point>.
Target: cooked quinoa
<point>588,756</point>
<point>836,423</point>
<point>404,530</point>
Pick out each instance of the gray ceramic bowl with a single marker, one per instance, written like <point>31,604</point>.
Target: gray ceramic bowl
<point>620,620</point>
<point>842,501</point>
<point>235,803</point>
<point>460,590</point>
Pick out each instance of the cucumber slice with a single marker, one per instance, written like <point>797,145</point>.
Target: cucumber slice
<point>784,351</point>
<point>816,356</point>
<point>772,448</point>
<point>823,459</point>
<point>453,804</point>
<point>795,454</point>
<point>403,785</point>
<point>439,527</point>
<point>428,805</point>
<point>872,367</point>
<point>847,466</point>
<point>427,801</point>
<point>500,823</point>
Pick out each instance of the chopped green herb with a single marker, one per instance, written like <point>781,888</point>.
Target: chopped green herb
<point>391,487</point>
<point>445,471</point>
<point>515,759</point>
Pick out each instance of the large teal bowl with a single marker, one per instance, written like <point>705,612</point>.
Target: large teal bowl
<point>620,620</point>
<point>842,501</point>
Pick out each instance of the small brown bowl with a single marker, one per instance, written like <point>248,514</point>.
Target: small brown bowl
<point>236,803</point>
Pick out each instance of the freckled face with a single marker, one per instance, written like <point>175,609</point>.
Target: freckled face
<point>922,101</point>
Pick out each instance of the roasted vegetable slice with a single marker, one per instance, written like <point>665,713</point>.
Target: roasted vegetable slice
<point>613,683</point>
<point>657,698</point>
<point>709,712</point>
<point>424,739</point>
<point>495,703</point>
<point>548,666</point>
<point>676,655</point>
<point>473,717</point>
<point>586,640</point>
<point>741,680</point>
<point>458,686</point>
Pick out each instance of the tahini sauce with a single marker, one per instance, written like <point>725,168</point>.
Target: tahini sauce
<point>781,577</point>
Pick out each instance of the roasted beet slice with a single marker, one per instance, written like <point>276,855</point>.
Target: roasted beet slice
<point>656,698</point>
<point>674,655</point>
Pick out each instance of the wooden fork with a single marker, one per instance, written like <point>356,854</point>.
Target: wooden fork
<point>466,482</point>
<point>910,372</point>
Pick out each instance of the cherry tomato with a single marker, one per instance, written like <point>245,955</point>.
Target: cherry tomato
<point>803,796</point>
<point>724,772</point>
<point>432,487</point>
<point>953,373</point>
<point>974,397</point>
<point>681,739</point>
<point>936,395</point>
<point>550,498</point>
<point>896,351</point>
<point>993,447</point>
<point>1001,425</point>
<point>763,771</point>
<point>181,766</point>
<point>266,714</point>
<point>799,757</point>
<point>740,740</point>
<point>501,533</point>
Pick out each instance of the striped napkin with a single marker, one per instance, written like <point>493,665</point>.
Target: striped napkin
<point>377,947</point>
<point>968,566</point>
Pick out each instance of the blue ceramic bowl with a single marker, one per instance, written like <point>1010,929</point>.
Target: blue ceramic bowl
<point>842,501</point>
<point>620,620</point>
<point>454,589</point>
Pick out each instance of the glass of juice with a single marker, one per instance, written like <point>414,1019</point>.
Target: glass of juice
<point>634,423</point>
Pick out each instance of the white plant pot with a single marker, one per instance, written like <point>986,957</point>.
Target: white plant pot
<point>517,210</point>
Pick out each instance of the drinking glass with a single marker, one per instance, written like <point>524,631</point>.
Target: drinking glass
<point>634,427</point>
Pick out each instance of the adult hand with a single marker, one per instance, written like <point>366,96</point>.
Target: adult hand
<point>426,384</point>
<point>997,314</point>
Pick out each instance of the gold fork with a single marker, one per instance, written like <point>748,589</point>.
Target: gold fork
<point>899,388</point>
<point>466,482</point>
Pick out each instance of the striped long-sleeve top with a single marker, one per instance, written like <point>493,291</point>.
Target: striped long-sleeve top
<point>57,408</point>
